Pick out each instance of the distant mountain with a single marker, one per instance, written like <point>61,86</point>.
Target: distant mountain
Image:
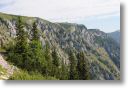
<point>115,35</point>
<point>102,51</point>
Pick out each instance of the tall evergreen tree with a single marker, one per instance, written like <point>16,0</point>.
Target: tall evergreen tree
<point>83,66</point>
<point>48,58</point>
<point>38,60</point>
<point>56,63</point>
<point>35,32</point>
<point>55,58</point>
<point>64,71</point>
<point>21,48</point>
<point>21,39</point>
<point>19,53</point>
<point>73,63</point>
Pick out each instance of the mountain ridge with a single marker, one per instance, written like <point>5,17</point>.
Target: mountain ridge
<point>115,35</point>
<point>102,51</point>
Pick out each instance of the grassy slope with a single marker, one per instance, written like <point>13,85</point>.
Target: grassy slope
<point>24,75</point>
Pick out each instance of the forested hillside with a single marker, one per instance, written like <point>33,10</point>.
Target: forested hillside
<point>42,50</point>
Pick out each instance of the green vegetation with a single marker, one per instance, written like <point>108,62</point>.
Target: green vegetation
<point>48,58</point>
<point>56,64</point>
<point>73,64</point>
<point>2,50</point>
<point>48,51</point>
<point>28,56</point>
<point>33,58</point>
<point>83,67</point>
<point>5,16</point>
<point>19,53</point>
<point>55,58</point>
<point>24,75</point>
<point>64,72</point>
<point>2,70</point>
<point>37,56</point>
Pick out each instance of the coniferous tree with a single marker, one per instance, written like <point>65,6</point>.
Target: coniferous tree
<point>38,61</point>
<point>48,58</point>
<point>73,64</point>
<point>83,67</point>
<point>35,32</point>
<point>55,58</point>
<point>56,63</point>
<point>64,71</point>
<point>18,54</point>
<point>21,48</point>
<point>21,39</point>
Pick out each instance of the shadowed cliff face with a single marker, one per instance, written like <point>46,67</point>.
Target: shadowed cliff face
<point>115,35</point>
<point>101,50</point>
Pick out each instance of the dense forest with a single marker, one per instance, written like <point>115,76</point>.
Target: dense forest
<point>33,58</point>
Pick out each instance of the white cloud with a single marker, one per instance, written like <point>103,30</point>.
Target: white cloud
<point>62,10</point>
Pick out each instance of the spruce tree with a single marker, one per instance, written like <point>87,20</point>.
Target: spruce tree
<point>38,61</point>
<point>18,54</point>
<point>35,32</point>
<point>48,58</point>
<point>64,71</point>
<point>21,37</point>
<point>83,66</point>
<point>73,63</point>
<point>21,47</point>
<point>56,63</point>
<point>55,58</point>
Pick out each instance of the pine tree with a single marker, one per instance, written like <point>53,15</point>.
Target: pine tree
<point>83,67</point>
<point>73,63</point>
<point>64,71</point>
<point>21,39</point>
<point>48,58</point>
<point>18,54</point>
<point>35,32</point>
<point>56,63</point>
<point>21,48</point>
<point>55,58</point>
<point>38,60</point>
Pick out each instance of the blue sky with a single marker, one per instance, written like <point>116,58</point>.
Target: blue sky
<point>99,14</point>
<point>104,23</point>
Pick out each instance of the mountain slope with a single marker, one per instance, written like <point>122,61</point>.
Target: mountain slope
<point>115,35</point>
<point>6,70</point>
<point>102,52</point>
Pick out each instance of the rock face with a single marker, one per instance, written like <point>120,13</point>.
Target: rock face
<point>6,69</point>
<point>102,51</point>
<point>115,35</point>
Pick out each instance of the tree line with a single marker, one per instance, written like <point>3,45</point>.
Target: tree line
<point>28,54</point>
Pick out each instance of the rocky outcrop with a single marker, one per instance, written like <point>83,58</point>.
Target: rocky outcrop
<point>7,69</point>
